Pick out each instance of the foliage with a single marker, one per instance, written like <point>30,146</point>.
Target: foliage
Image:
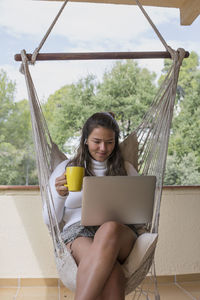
<point>17,162</point>
<point>185,138</point>
<point>7,89</point>
<point>127,90</point>
<point>72,105</point>
<point>17,166</point>
<point>182,172</point>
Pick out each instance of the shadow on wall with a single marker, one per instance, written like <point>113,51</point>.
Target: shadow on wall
<point>37,242</point>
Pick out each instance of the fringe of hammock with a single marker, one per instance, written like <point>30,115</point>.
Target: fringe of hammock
<point>135,279</point>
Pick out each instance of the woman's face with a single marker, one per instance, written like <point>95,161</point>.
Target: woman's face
<point>101,143</point>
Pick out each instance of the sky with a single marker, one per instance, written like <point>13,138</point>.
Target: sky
<point>84,27</point>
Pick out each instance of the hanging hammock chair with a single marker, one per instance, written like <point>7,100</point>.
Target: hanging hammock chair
<point>145,148</point>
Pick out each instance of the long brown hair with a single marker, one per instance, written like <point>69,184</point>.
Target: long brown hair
<point>115,162</point>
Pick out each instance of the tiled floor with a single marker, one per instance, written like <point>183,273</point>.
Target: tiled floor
<point>168,291</point>
<point>171,291</point>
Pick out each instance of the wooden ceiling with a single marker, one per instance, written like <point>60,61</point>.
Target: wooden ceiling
<point>189,9</point>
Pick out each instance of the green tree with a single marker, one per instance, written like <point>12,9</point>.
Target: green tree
<point>9,160</point>
<point>68,108</point>
<point>18,128</point>
<point>185,139</point>
<point>127,90</point>
<point>182,172</point>
<point>7,89</point>
<point>17,157</point>
<point>17,166</point>
<point>17,160</point>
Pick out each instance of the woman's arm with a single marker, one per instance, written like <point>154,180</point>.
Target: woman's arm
<point>58,191</point>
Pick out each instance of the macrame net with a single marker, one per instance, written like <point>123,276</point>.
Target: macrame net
<point>145,148</point>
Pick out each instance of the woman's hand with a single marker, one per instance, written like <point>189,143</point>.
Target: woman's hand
<point>59,184</point>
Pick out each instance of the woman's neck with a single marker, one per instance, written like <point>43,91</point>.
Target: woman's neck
<point>99,167</point>
<point>99,163</point>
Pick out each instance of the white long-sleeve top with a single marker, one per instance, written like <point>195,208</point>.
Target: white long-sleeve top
<point>68,208</point>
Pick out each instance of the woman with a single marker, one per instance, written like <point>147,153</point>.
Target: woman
<point>98,251</point>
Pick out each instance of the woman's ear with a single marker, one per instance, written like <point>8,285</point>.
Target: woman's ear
<point>85,142</point>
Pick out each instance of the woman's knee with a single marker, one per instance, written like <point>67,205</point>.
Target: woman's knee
<point>109,232</point>
<point>115,237</point>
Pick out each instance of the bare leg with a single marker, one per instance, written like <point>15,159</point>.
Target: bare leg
<point>98,268</point>
<point>114,288</point>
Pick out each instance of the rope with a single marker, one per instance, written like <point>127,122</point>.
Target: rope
<point>154,27</point>
<point>36,51</point>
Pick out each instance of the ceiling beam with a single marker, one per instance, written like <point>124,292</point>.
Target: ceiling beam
<point>189,11</point>
<point>160,3</point>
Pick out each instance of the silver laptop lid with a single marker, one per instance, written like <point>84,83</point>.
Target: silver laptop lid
<point>126,199</point>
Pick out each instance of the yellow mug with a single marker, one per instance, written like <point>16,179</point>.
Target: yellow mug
<point>74,176</point>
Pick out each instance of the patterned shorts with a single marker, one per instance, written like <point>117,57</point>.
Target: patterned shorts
<point>77,230</point>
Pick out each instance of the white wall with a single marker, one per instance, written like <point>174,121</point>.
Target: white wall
<point>178,250</point>
<point>26,249</point>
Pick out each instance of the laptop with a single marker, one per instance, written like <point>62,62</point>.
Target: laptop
<point>125,199</point>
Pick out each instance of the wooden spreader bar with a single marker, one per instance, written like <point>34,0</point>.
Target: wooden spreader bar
<point>99,55</point>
